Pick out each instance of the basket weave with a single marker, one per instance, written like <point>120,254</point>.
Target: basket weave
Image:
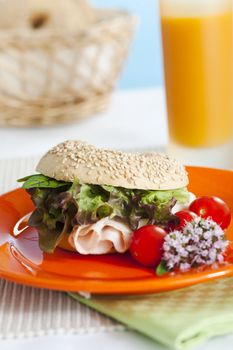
<point>49,78</point>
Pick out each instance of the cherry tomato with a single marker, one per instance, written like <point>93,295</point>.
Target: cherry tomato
<point>147,245</point>
<point>184,216</point>
<point>214,208</point>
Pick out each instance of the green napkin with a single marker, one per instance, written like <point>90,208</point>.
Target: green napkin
<point>179,319</point>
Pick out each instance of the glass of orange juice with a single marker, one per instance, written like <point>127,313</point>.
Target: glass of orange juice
<point>197,38</point>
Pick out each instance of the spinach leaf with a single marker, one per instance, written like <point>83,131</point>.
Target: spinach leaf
<point>42,181</point>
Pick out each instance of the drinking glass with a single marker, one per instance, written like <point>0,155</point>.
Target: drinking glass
<point>198,65</point>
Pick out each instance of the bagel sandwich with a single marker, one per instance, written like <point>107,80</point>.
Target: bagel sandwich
<point>90,200</point>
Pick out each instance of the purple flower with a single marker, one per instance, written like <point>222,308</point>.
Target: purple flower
<point>202,242</point>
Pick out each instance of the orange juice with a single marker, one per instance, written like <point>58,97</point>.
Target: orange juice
<point>198,62</point>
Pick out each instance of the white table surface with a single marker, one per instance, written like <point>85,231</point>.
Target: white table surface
<point>136,119</point>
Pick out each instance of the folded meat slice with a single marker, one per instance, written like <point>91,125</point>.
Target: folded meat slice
<point>105,236</point>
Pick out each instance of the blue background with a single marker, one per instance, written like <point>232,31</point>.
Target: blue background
<point>144,66</point>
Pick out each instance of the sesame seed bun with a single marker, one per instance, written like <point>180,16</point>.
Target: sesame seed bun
<point>91,165</point>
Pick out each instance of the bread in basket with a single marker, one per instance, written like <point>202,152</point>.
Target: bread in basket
<point>59,59</point>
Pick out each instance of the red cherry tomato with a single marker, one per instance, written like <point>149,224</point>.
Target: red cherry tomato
<point>214,208</point>
<point>147,245</point>
<point>184,216</point>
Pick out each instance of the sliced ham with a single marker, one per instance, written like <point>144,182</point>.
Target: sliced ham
<point>104,236</point>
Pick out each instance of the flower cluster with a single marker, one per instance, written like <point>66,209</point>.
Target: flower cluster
<point>202,242</point>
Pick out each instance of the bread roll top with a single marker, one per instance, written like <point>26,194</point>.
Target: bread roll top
<point>92,165</point>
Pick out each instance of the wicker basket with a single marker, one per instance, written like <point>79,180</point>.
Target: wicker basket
<point>49,78</point>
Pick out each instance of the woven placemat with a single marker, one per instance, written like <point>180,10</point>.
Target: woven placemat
<point>26,311</point>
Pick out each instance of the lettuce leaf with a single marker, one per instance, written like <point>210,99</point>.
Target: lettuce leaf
<point>151,211</point>
<point>52,217</point>
<point>118,199</point>
<point>92,203</point>
<point>90,198</point>
<point>153,197</point>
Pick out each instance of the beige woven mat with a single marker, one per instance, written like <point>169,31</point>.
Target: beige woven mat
<point>28,311</point>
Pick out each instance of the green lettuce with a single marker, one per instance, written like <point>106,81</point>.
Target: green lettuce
<point>92,202</point>
<point>149,197</point>
<point>118,199</point>
<point>60,206</point>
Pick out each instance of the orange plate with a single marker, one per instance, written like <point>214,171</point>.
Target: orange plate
<point>22,261</point>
